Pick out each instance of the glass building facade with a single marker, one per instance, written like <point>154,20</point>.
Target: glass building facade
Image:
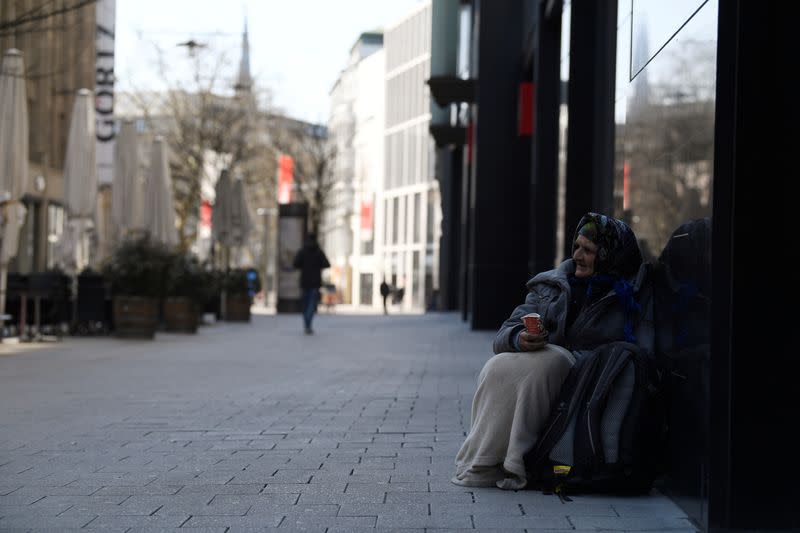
<point>408,209</point>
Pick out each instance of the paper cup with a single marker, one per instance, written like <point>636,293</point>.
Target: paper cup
<point>533,323</point>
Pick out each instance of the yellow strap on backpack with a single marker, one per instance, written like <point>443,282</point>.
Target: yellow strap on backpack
<point>561,470</point>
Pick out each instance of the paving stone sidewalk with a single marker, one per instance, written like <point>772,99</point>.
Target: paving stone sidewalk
<point>257,427</point>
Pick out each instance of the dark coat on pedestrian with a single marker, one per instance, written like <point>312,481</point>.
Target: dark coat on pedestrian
<point>385,289</point>
<point>311,261</point>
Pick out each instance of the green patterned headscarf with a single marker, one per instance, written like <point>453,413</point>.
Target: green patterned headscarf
<point>589,230</point>
<point>618,252</point>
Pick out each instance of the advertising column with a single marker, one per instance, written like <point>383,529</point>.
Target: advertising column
<point>291,233</point>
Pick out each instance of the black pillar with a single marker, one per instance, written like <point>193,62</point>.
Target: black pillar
<point>499,202</point>
<point>753,395</point>
<point>544,185</point>
<point>450,166</point>
<point>590,135</point>
<point>465,238</point>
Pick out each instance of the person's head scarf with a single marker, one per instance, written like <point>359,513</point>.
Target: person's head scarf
<point>618,258</point>
<point>618,253</point>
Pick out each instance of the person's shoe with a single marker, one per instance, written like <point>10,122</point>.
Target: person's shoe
<point>309,331</point>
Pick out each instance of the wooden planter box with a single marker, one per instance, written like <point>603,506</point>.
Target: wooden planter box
<point>180,315</point>
<point>237,307</point>
<point>135,317</point>
<point>212,305</point>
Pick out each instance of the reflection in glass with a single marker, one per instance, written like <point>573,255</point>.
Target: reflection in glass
<point>563,122</point>
<point>464,38</point>
<point>655,22</point>
<point>665,141</point>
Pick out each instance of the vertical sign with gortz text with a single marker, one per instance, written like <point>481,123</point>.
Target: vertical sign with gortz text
<point>104,89</point>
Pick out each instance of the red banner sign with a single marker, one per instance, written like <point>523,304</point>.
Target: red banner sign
<point>366,215</point>
<point>285,178</point>
<point>205,214</point>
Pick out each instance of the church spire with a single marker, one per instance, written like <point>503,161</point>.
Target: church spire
<point>244,82</point>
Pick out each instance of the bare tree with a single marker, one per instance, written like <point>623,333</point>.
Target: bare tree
<point>314,158</point>
<point>205,129</point>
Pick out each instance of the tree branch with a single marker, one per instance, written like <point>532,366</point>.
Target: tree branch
<point>34,15</point>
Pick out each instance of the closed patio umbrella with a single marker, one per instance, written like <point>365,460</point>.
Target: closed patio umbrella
<point>222,225</point>
<point>221,219</point>
<point>127,189</point>
<point>159,210</point>
<point>80,182</point>
<point>13,160</point>
<point>241,224</point>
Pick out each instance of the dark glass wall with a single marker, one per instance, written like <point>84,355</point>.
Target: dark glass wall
<point>664,157</point>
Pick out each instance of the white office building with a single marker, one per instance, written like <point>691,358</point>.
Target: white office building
<point>408,208</point>
<point>356,126</point>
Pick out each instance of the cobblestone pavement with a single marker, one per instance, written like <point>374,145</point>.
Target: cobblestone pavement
<point>257,427</point>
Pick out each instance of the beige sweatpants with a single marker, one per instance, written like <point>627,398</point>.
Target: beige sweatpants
<point>515,395</point>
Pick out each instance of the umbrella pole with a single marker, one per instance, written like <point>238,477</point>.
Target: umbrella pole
<point>222,307</point>
<point>3,285</point>
<point>73,286</point>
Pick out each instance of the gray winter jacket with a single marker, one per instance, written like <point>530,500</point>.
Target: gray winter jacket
<point>598,323</point>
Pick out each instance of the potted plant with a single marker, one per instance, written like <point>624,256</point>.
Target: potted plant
<point>136,271</point>
<point>50,291</point>
<point>91,312</point>
<point>183,293</point>
<point>209,291</point>
<point>239,285</point>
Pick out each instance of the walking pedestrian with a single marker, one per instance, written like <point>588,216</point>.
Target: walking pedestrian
<point>385,292</point>
<point>311,261</point>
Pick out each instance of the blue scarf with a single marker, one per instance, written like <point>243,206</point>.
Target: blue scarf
<point>624,291</point>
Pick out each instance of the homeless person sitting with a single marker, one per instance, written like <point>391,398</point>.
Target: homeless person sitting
<point>587,301</point>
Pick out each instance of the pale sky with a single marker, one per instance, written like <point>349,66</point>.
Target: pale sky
<point>297,47</point>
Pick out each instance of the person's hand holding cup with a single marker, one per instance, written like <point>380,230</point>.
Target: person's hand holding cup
<point>534,337</point>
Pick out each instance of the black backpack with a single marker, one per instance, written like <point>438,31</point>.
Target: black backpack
<point>607,433</point>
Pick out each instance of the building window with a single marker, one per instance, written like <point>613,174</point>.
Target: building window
<point>417,217</point>
<point>366,289</point>
<point>367,247</point>
<point>430,288</point>
<point>416,289</point>
<point>395,220</point>
<point>387,217</point>
<point>431,222</point>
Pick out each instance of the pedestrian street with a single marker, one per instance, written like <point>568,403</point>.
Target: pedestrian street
<point>258,427</point>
